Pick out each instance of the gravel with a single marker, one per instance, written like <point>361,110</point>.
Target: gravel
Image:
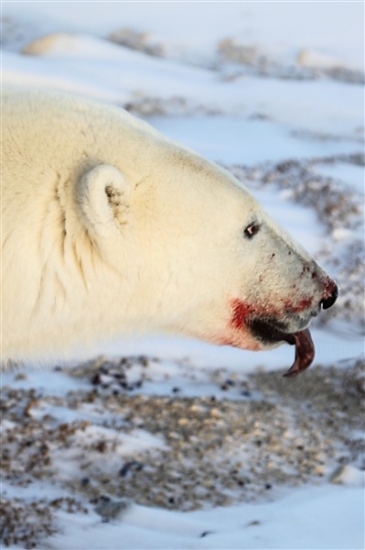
<point>266,434</point>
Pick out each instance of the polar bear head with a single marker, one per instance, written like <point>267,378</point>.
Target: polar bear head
<point>207,260</point>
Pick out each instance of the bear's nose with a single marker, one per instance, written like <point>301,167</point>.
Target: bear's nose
<point>330,300</point>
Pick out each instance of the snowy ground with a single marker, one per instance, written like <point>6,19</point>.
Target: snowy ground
<point>169,443</point>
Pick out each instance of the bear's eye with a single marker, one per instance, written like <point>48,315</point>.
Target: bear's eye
<point>251,230</point>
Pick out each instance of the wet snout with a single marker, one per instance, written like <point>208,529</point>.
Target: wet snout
<point>323,295</point>
<point>330,299</point>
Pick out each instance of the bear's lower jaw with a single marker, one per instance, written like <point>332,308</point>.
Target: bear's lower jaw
<point>270,332</point>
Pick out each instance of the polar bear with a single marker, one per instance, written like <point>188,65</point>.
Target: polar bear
<point>110,227</point>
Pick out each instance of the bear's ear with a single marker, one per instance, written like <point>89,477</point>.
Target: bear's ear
<point>103,197</point>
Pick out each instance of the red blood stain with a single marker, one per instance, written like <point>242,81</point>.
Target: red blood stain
<point>240,312</point>
<point>241,309</point>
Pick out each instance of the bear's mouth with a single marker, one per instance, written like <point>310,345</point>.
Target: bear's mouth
<point>271,331</point>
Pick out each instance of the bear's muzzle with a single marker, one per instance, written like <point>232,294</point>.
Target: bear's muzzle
<point>272,327</point>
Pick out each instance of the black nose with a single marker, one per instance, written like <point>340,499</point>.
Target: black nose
<point>328,302</point>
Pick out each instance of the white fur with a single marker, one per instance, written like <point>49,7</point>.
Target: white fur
<point>107,227</point>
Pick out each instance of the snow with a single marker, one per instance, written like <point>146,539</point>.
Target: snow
<point>314,106</point>
<point>352,175</point>
<point>309,519</point>
<point>247,141</point>
<point>282,28</point>
<point>232,116</point>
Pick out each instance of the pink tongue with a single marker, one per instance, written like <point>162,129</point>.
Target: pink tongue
<point>304,352</point>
